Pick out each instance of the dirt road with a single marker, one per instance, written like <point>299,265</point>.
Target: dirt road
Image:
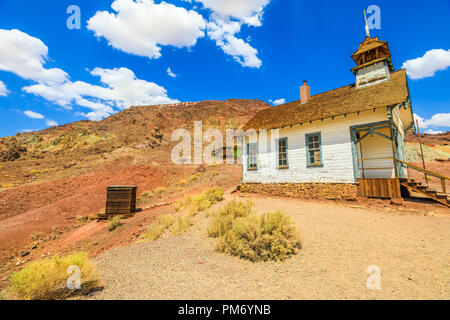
<point>340,242</point>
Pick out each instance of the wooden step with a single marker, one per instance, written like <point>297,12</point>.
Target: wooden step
<point>428,193</point>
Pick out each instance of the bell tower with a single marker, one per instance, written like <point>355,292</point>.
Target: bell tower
<point>373,61</point>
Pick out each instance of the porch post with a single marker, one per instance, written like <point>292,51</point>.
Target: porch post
<point>394,153</point>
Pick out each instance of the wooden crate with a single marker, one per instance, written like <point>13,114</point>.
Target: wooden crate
<point>121,200</point>
<point>379,188</point>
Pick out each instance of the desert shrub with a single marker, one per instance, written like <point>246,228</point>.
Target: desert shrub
<point>195,177</point>
<point>159,227</point>
<point>183,224</point>
<point>147,194</point>
<point>93,216</point>
<point>159,191</point>
<point>114,223</point>
<point>244,234</point>
<point>46,279</point>
<point>224,218</point>
<point>81,218</point>
<point>200,202</point>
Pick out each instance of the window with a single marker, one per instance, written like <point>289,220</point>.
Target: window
<point>283,153</point>
<point>252,152</point>
<point>314,149</point>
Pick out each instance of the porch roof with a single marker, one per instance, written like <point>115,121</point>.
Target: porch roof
<point>345,100</point>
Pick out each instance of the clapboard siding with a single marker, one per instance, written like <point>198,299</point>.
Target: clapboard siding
<point>336,149</point>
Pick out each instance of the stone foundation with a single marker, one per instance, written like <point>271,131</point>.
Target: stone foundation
<point>330,191</point>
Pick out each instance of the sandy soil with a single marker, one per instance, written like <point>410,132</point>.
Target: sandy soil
<point>340,242</point>
<point>41,219</point>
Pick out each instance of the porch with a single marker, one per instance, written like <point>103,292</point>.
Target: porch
<point>381,168</point>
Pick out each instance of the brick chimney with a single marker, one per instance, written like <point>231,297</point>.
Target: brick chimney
<point>305,93</point>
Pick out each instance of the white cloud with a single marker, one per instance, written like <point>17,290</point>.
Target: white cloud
<point>25,56</point>
<point>225,23</point>
<point>431,131</point>
<point>248,11</point>
<point>141,27</point>
<point>438,120</point>
<point>278,102</point>
<point>122,90</point>
<point>33,115</point>
<point>426,66</point>
<point>3,90</point>
<point>170,73</point>
<point>223,32</point>
<point>51,123</point>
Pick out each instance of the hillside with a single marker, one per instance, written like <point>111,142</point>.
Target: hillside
<point>53,180</point>
<point>141,132</point>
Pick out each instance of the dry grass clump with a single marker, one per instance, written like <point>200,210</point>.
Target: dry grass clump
<point>188,208</point>
<point>47,279</point>
<point>224,218</point>
<point>159,191</point>
<point>196,176</point>
<point>200,202</point>
<point>244,234</point>
<point>159,227</point>
<point>183,224</point>
<point>114,223</point>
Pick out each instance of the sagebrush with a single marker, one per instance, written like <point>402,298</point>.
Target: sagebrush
<point>46,279</point>
<point>114,223</point>
<point>200,202</point>
<point>242,233</point>
<point>159,227</point>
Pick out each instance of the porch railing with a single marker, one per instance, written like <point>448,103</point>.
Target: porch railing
<point>408,165</point>
<point>426,173</point>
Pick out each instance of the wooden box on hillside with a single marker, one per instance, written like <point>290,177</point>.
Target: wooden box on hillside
<point>121,200</point>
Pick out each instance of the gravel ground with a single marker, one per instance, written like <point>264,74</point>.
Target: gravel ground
<point>340,243</point>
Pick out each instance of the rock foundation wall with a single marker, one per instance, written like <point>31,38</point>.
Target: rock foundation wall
<point>330,191</point>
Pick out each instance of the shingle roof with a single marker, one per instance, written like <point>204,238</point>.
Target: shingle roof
<point>336,102</point>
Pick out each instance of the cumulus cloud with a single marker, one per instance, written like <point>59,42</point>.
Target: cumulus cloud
<point>51,123</point>
<point>438,120</point>
<point>33,115</point>
<point>224,33</point>
<point>278,101</point>
<point>141,27</point>
<point>170,73</point>
<point>427,66</point>
<point>3,90</point>
<point>431,131</point>
<point>248,11</point>
<point>121,90</point>
<point>25,56</point>
<point>225,23</point>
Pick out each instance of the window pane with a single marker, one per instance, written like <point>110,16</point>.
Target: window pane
<point>282,153</point>
<point>252,155</point>
<point>314,152</point>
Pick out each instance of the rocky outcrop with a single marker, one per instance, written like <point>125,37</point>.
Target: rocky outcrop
<point>12,153</point>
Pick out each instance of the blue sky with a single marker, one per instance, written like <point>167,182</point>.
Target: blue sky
<point>215,49</point>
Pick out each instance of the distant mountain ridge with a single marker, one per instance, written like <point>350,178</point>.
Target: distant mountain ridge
<point>141,131</point>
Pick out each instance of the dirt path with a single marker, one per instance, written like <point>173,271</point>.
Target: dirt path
<point>340,243</point>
